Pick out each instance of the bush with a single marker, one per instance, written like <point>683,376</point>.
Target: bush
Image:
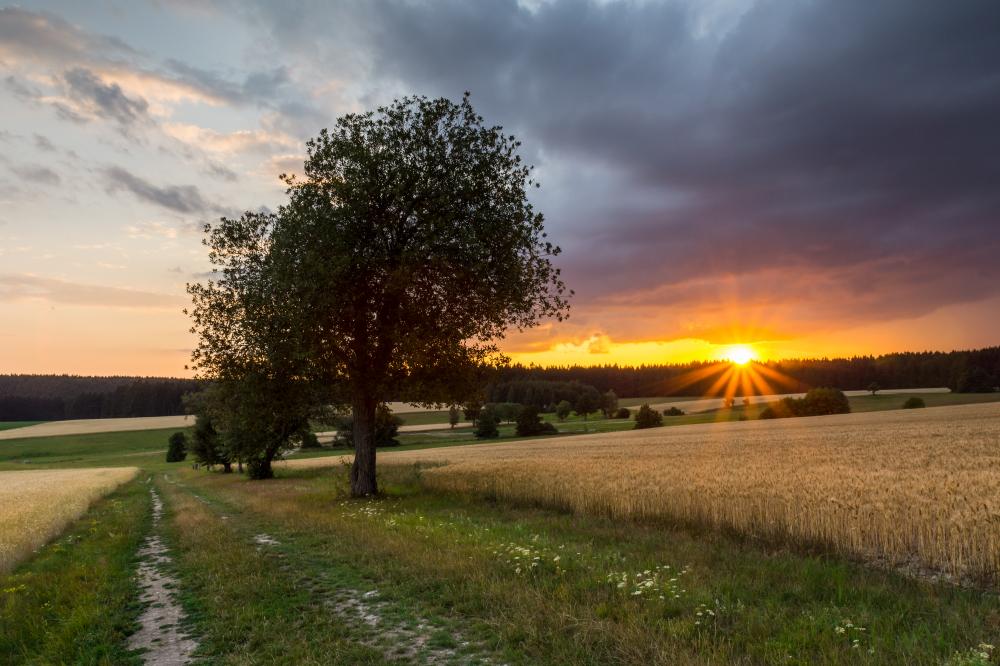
<point>914,403</point>
<point>486,425</point>
<point>310,441</point>
<point>820,401</point>
<point>622,413</point>
<point>177,447</point>
<point>530,423</point>
<point>647,417</point>
<point>817,402</point>
<point>673,411</point>
<point>563,409</point>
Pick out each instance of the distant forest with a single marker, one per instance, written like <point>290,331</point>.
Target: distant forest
<point>975,370</point>
<point>56,397</point>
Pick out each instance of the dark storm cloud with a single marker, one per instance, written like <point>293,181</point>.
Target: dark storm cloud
<point>178,198</point>
<point>850,142</point>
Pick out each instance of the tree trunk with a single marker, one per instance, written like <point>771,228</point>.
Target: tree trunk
<point>363,482</point>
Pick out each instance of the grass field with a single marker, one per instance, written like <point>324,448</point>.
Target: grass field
<point>731,542</point>
<point>10,425</point>
<point>916,486</point>
<point>111,449</point>
<point>36,505</point>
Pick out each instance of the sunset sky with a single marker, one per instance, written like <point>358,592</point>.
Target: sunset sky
<point>807,178</point>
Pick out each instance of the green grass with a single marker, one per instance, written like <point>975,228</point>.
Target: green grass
<point>444,569</point>
<point>10,425</point>
<point>75,602</point>
<point>111,449</point>
<point>448,562</point>
<point>878,402</point>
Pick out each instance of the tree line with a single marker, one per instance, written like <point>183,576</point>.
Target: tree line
<point>964,371</point>
<point>58,397</point>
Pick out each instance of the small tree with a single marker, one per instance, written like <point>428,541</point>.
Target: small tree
<point>206,446</point>
<point>587,402</point>
<point>507,411</point>
<point>673,411</point>
<point>454,415</point>
<point>874,388</point>
<point>177,447</point>
<point>486,424</point>
<point>746,402</point>
<point>529,423</point>
<point>728,402</point>
<point>647,417</point>
<point>609,403</point>
<point>472,410</point>
<point>622,413</point>
<point>563,409</point>
<point>914,402</point>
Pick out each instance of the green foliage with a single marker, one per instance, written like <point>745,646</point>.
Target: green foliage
<point>205,444</point>
<point>386,429</point>
<point>563,409</point>
<point>310,440</point>
<point>544,394</point>
<point>486,425</point>
<point>622,413</point>
<point>914,402</point>
<point>647,417</point>
<point>816,402</point>
<point>874,388</point>
<point>406,249</point>
<point>506,411</point>
<point>256,422</point>
<point>587,402</point>
<point>609,403</point>
<point>975,380</point>
<point>529,423</point>
<point>472,409</point>
<point>673,411</point>
<point>454,415</point>
<point>177,447</point>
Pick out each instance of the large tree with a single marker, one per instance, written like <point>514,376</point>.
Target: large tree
<point>406,251</point>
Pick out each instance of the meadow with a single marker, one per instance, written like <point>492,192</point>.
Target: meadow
<point>843,539</point>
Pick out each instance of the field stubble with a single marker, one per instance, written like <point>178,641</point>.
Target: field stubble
<point>36,505</point>
<point>919,489</point>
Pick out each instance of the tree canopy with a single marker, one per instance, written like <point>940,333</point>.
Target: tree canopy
<point>406,250</point>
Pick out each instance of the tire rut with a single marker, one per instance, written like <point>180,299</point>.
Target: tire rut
<point>159,638</point>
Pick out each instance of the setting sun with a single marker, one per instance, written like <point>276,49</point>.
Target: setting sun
<point>740,354</point>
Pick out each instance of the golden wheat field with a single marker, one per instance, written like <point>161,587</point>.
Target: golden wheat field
<point>920,487</point>
<point>36,505</point>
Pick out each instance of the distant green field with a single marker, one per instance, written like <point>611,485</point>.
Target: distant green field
<point>868,403</point>
<point>10,425</point>
<point>110,449</point>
